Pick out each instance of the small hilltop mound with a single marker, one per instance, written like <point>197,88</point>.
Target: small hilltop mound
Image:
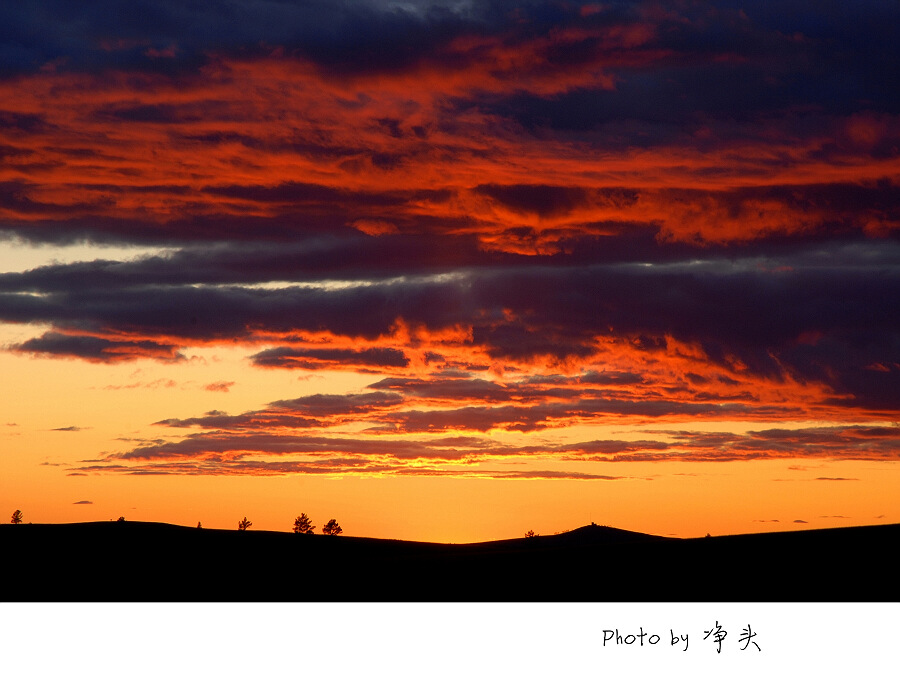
<point>596,533</point>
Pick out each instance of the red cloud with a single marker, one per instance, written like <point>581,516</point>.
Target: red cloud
<point>145,148</point>
<point>265,453</point>
<point>220,386</point>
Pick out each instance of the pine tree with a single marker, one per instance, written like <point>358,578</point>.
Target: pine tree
<point>303,525</point>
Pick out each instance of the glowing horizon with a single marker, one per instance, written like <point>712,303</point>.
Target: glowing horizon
<point>452,273</point>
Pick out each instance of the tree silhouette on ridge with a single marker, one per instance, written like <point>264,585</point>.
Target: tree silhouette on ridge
<point>332,528</point>
<point>303,525</point>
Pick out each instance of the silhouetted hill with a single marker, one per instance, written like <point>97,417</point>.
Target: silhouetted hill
<point>144,561</point>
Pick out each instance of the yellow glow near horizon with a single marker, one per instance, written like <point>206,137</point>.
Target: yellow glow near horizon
<point>691,501</point>
<point>110,407</point>
<point>425,295</point>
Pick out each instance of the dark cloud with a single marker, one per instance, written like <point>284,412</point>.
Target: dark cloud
<point>807,55</point>
<point>818,323</point>
<point>612,378</point>
<point>305,195</point>
<point>449,387</point>
<point>244,444</point>
<point>343,255</point>
<point>306,412</point>
<point>543,200</point>
<point>519,216</point>
<point>83,503</point>
<point>315,359</point>
<point>534,417</point>
<point>163,36</point>
<point>813,322</point>
<point>457,402</point>
<point>250,449</point>
<point>96,349</point>
<point>322,404</point>
<point>220,420</point>
<point>68,429</point>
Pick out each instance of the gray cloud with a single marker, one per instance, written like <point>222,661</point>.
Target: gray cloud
<point>500,183</point>
<point>776,324</point>
<point>315,359</point>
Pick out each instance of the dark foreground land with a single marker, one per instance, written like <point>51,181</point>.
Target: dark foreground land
<point>142,561</point>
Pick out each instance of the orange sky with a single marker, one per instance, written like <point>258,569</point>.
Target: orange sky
<point>451,274</point>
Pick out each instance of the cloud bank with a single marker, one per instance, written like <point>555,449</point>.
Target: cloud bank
<point>512,216</point>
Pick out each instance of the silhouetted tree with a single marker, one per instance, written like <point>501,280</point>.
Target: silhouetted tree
<point>16,517</point>
<point>121,519</point>
<point>332,528</point>
<point>303,525</point>
<point>199,526</point>
<point>529,533</point>
<point>244,524</point>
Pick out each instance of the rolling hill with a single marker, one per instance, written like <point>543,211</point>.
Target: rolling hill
<point>144,561</point>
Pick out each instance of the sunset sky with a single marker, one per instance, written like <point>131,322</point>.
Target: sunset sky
<point>451,271</point>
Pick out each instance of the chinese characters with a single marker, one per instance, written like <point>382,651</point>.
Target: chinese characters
<point>715,636</point>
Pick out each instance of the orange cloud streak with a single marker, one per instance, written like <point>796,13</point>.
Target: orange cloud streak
<point>150,147</point>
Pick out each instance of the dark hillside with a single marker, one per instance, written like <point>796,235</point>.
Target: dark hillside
<point>140,561</point>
